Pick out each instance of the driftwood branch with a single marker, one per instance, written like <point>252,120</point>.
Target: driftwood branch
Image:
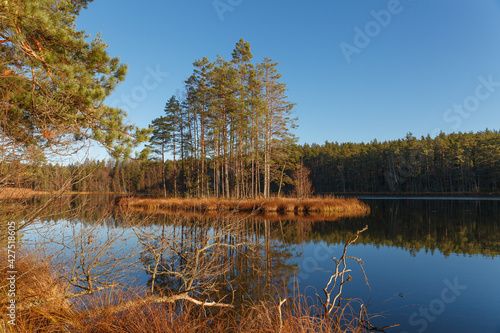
<point>153,299</point>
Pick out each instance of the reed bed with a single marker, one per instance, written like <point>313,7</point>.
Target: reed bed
<point>262,216</point>
<point>330,207</point>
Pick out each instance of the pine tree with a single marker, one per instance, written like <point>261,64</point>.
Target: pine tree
<point>242,111</point>
<point>200,90</point>
<point>277,122</point>
<point>54,83</point>
<point>161,136</point>
<point>174,123</point>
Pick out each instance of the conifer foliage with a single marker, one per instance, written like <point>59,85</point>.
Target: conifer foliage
<point>231,129</point>
<point>447,163</point>
<point>53,82</point>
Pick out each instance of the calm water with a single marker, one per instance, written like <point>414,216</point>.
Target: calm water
<point>432,264</point>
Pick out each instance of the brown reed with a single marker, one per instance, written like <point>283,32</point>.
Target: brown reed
<point>332,207</point>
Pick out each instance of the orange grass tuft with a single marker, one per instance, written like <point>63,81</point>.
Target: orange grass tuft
<point>93,313</point>
<point>296,315</point>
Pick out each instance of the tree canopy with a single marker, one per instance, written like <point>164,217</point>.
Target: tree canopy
<point>231,128</point>
<point>53,82</point>
<point>456,162</point>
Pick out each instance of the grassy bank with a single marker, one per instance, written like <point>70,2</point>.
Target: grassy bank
<point>425,194</point>
<point>289,206</point>
<point>37,282</point>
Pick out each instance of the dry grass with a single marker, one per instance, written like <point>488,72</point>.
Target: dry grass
<point>17,193</point>
<point>329,207</point>
<point>92,313</point>
<point>11,193</point>
<point>35,282</point>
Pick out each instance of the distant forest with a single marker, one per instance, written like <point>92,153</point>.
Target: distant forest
<point>227,133</point>
<point>463,162</point>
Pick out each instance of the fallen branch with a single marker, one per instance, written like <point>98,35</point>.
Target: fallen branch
<point>152,299</point>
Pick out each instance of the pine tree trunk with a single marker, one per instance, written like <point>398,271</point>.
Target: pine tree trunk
<point>163,170</point>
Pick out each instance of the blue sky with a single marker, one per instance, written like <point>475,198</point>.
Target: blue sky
<point>421,67</point>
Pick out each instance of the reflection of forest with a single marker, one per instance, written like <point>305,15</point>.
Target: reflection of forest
<point>449,226</point>
<point>261,268</point>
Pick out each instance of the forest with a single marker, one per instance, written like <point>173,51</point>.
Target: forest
<point>227,133</point>
<point>448,163</point>
<point>453,163</point>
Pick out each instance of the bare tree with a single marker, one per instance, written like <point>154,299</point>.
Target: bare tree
<point>334,287</point>
<point>86,257</point>
<point>302,182</point>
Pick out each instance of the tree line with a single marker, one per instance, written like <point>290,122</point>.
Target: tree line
<point>453,163</point>
<point>457,162</point>
<point>227,134</point>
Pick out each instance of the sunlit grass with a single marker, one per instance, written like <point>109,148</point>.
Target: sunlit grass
<point>331,207</point>
<point>94,313</point>
<point>17,193</point>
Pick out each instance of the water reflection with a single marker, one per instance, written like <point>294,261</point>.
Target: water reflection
<point>407,248</point>
<point>449,226</point>
<point>215,258</point>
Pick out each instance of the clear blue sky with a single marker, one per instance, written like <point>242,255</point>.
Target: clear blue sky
<point>403,73</point>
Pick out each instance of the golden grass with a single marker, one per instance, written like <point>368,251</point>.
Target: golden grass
<point>329,207</point>
<point>93,313</point>
<point>7,193</point>
<point>17,193</point>
<point>35,281</point>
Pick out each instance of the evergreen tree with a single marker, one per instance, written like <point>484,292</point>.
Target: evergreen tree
<point>233,119</point>
<point>54,83</point>
<point>277,122</point>
<point>174,123</point>
<point>160,137</point>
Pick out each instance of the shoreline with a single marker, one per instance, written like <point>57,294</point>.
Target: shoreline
<point>420,194</point>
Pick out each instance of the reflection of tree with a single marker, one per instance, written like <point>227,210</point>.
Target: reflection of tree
<point>253,257</point>
<point>194,257</point>
<point>276,267</point>
<point>213,258</point>
<point>454,226</point>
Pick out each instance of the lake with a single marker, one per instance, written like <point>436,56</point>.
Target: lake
<point>432,264</point>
